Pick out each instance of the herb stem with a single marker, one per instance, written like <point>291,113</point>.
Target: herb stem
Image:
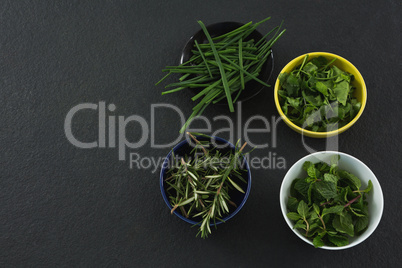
<point>329,63</point>
<point>322,221</point>
<point>352,201</point>
<point>307,226</point>
<point>202,147</point>
<point>301,67</point>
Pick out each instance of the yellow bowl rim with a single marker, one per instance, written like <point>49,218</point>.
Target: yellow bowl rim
<point>321,134</point>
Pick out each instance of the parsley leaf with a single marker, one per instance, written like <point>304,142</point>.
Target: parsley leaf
<point>341,91</point>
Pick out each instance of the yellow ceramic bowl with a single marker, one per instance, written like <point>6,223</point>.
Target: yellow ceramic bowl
<point>343,64</point>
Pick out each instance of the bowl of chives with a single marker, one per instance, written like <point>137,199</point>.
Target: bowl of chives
<point>200,40</point>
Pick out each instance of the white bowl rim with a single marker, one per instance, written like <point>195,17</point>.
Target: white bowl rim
<point>376,185</point>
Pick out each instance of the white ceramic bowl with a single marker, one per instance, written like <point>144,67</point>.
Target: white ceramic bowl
<point>351,164</point>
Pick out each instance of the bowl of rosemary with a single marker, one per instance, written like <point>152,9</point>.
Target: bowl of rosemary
<point>205,181</point>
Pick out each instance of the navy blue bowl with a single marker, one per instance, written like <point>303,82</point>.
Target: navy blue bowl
<point>237,197</point>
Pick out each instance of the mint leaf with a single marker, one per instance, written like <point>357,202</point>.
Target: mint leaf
<point>306,165</point>
<point>316,208</point>
<point>322,167</point>
<point>355,211</point>
<point>293,191</point>
<point>313,216</point>
<point>302,186</point>
<point>310,180</point>
<point>364,210</point>
<point>338,240</point>
<point>300,225</point>
<point>342,228</point>
<point>340,196</point>
<point>334,210</point>
<point>326,189</point>
<point>314,227</point>
<point>361,224</point>
<point>352,178</point>
<point>303,209</point>
<point>317,242</point>
<point>326,218</point>
<point>293,216</point>
<point>309,193</point>
<point>346,218</point>
<point>335,159</point>
<point>330,178</point>
<point>347,192</point>
<point>292,204</point>
<point>369,187</point>
<point>311,171</point>
<point>334,169</point>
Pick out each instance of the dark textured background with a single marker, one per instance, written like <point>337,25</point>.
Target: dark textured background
<point>65,206</point>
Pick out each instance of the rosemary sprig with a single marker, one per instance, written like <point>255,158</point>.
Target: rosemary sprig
<point>201,184</point>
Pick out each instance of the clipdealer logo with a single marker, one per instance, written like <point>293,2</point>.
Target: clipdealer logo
<point>112,133</point>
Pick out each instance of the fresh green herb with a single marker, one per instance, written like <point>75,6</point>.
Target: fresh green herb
<point>318,96</point>
<point>221,68</point>
<point>201,184</point>
<point>328,205</point>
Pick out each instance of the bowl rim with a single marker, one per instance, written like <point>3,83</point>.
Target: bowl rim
<point>310,133</point>
<point>375,220</point>
<point>164,195</point>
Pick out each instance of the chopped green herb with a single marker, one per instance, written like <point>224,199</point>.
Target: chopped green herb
<point>221,68</point>
<point>318,96</point>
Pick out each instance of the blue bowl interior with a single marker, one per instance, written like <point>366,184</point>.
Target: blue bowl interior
<point>184,148</point>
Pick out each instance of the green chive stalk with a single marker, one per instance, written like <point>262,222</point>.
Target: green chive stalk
<point>221,68</point>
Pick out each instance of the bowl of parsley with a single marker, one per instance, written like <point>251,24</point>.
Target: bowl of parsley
<point>320,94</point>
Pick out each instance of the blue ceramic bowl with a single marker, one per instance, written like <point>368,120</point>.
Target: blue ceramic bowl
<point>184,148</point>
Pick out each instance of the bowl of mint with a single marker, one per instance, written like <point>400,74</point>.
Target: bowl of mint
<point>320,94</point>
<point>331,200</point>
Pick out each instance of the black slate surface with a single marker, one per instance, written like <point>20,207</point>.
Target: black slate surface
<point>65,206</point>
